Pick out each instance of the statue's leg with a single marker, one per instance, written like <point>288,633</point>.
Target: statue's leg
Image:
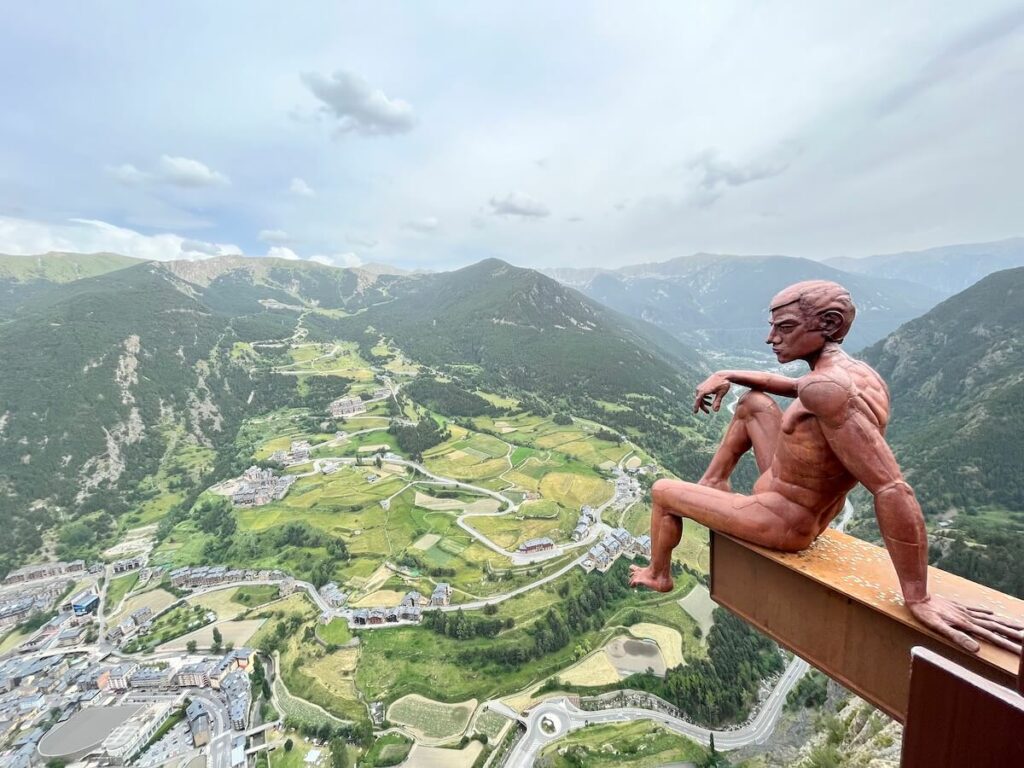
<point>764,518</point>
<point>755,424</point>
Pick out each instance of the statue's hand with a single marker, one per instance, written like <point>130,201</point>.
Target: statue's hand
<point>958,623</point>
<point>710,393</point>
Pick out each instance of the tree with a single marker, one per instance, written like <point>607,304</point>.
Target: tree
<point>217,640</point>
<point>288,744</point>
<point>339,754</point>
<point>190,646</point>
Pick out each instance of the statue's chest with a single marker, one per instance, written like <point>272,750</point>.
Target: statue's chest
<point>797,417</point>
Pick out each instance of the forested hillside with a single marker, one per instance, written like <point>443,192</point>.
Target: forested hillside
<point>957,381</point>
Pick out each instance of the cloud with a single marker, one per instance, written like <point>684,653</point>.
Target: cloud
<point>277,236</point>
<point>424,225</point>
<point>716,175</point>
<point>358,107</point>
<point>953,58</point>
<point>300,188</point>
<point>178,171</point>
<point>29,237</point>
<point>519,205</point>
<point>186,172</point>
<point>282,252</point>
<point>338,260</point>
<point>126,173</point>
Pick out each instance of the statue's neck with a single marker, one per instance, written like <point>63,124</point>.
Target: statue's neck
<point>825,354</point>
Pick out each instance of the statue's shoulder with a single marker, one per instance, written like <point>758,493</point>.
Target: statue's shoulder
<point>827,392</point>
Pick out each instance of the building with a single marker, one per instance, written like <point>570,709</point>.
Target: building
<point>333,596</point>
<point>71,636</point>
<point>84,603</point>
<point>412,599</point>
<point>195,675</point>
<point>198,723</point>
<point>260,486</point>
<point>346,406</point>
<point>300,451</point>
<point>536,545</point>
<point>141,616</point>
<point>128,738</point>
<point>149,678</point>
<point>16,611</point>
<point>128,564</point>
<point>44,571</point>
<point>235,687</point>
<point>442,594</point>
<point>642,546</point>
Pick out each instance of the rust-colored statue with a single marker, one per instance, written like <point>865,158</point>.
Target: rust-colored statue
<point>830,438</point>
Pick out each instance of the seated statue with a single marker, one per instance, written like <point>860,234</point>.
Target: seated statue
<point>810,457</point>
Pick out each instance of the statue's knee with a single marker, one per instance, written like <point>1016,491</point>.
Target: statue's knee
<point>753,403</point>
<point>659,489</point>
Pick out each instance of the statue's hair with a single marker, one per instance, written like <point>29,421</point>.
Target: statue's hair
<point>818,298</point>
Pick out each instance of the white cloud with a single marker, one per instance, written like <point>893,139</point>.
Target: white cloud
<point>28,237</point>
<point>358,107</point>
<point>186,172</point>
<point>126,173</point>
<point>300,188</point>
<point>283,252</point>
<point>178,171</point>
<point>338,260</point>
<point>277,236</point>
<point>424,225</point>
<point>716,174</point>
<point>520,205</point>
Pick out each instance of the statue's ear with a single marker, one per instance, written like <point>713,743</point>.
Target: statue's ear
<point>831,321</point>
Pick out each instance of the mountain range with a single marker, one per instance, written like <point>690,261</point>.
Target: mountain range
<point>719,302</point>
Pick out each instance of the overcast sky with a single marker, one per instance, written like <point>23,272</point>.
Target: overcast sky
<point>431,135</point>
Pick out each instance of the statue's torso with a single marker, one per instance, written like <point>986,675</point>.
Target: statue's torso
<point>805,470</point>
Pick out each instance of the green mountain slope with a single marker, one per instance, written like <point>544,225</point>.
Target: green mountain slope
<point>95,372</point>
<point>957,382</point>
<point>23,277</point>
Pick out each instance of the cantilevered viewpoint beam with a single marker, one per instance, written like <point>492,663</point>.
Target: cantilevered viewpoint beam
<point>838,605</point>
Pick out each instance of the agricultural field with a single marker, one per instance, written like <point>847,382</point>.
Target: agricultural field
<point>256,595</point>
<point>237,633</point>
<point>640,744</point>
<point>429,719</point>
<point>490,724</point>
<point>438,757</point>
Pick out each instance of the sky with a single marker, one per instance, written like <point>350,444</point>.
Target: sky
<point>432,135</point>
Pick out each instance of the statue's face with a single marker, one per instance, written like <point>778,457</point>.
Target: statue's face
<point>793,335</point>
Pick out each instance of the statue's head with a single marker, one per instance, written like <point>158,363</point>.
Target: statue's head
<point>807,315</point>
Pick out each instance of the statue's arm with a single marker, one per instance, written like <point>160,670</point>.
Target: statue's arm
<point>856,438</point>
<point>715,387</point>
<point>760,381</point>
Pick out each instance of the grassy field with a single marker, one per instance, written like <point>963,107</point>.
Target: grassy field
<point>118,588</point>
<point>156,600</point>
<point>335,633</point>
<point>389,749</point>
<point>176,622</point>
<point>538,518</point>
<point>251,597</point>
<point>432,719</point>
<point>637,745</point>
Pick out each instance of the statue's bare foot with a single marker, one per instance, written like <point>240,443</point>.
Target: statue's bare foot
<point>644,577</point>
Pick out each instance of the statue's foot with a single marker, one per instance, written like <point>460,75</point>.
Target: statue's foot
<point>645,577</point>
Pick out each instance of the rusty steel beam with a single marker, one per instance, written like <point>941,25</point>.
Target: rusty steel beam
<point>957,718</point>
<point>838,605</point>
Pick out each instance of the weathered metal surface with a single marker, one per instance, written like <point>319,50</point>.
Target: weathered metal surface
<point>957,718</point>
<point>838,605</point>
